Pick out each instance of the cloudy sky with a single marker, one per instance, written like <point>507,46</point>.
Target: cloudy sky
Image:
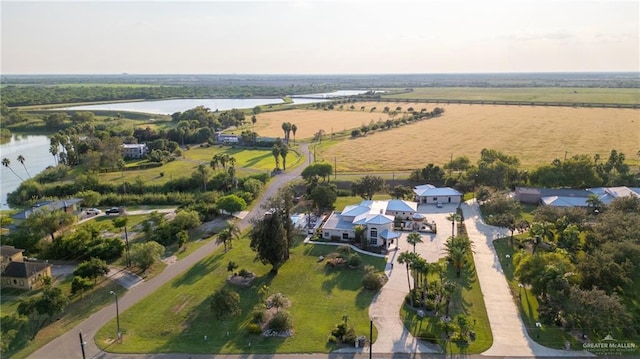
<point>318,37</point>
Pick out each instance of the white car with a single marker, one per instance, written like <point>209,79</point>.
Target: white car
<point>92,211</point>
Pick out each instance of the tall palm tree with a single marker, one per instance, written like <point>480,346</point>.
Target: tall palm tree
<point>286,128</point>
<point>21,160</point>
<point>414,238</point>
<point>215,161</point>
<point>294,128</point>
<point>275,151</point>
<point>407,258</point>
<point>234,232</point>
<point>203,170</point>
<point>224,237</point>
<point>284,150</point>
<point>7,163</point>
<point>453,217</point>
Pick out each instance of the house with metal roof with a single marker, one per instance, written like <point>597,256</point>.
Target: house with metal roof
<point>568,197</point>
<point>431,194</point>
<point>134,150</point>
<point>376,217</point>
<point>71,205</point>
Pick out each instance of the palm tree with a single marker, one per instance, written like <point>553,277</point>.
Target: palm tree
<point>294,128</point>
<point>203,170</point>
<point>7,163</point>
<point>234,232</point>
<point>223,237</point>
<point>594,202</point>
<point>407,258</point>
<point>278,301</point>
<point>286,127</point>
<point>214,161</point>
<point>21,160</point>
<point>414,238</point>
<point>275,151</point>
<point>540,231</point>
<point>284,150</point>
<point>457,256</point>
<point>453,217</point>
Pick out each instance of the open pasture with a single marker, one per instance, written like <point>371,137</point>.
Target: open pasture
<point>310,121</point>
<point>535,134</point>
<point>526,94</point>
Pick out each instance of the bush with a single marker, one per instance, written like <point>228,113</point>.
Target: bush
<point>244,273</point>
<point>254,328</point>
<point>258,315</point>
<point>332,339</point>
<point>355,260</point>
<point>345,249</point>
<point>372,281</point>
<point>225,303</point>
<point>281,321</point>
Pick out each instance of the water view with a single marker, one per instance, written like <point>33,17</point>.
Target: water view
<point>35,150</point>
<point>167,107</point>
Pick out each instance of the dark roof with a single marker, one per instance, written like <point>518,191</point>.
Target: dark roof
<point>549,192</point>
<point>51,205</point>
<point>9,251</point>
<point>21,269</point>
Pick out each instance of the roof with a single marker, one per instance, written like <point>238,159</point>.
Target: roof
<point>433,191</point>
<point>9,251</point>
<point>379,219</point>
<point>417,217</point>
<point>560,201</point>
<point>387,234</point>
<point>134,145</point>
<point>355,210</point>
<point>398,205</point>
<point>23,269</point>
<point>50,205</point>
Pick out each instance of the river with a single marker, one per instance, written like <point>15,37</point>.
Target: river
<point>35,150</point>
<point>167,107</point>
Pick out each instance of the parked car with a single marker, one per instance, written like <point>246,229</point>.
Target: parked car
<point>92,211</point>
<point>113,210</point>
<point>439,205</point>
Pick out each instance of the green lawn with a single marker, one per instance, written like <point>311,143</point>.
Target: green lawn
<point>467,300</point>
<point>528,304</point>
<point>177,317</point>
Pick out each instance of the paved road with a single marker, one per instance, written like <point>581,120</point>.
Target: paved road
<point>67,345</point>
<point>510,337</point>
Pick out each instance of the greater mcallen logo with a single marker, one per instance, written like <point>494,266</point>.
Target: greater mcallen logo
<point>608,345</point>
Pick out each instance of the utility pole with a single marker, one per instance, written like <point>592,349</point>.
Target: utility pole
<point>370,339</point>
<point>82,344</point>
<point>335,168</point>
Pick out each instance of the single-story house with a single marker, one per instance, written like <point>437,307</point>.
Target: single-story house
<point>71,205</point>
<point>227,138</point>
<point>16,273</point>
<point>374,216</point>
<point>431,194</point>
<point>135,150</point>
<point>567,197</point>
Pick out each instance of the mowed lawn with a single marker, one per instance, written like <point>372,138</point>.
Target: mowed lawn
<point>535,134</point>
<point>535,94</point>
<point>177,317</point>
<point>248,161</point>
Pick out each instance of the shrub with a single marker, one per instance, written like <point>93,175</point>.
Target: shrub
<point>254,328</point>
<point>225,303</point>
<point>281,321</point>
<point>345,249</point>
<point>355,260</point>
<point>332,339</point>
<point>244,273</point>
<point>372,281</point>
<point>258,315</point>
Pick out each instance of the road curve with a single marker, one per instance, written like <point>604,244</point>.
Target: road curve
<point>68,345</point>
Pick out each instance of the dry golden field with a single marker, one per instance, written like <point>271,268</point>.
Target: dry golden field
<point>310,121</point>
<point>536,135</point>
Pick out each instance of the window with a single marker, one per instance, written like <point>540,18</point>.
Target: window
<point>373,241</point>
<point>435,198</point>
<point>326,235</point>
<point>345,235</point>
<point>373,233</point>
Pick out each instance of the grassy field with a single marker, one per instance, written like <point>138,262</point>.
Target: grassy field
<point>249,161</point>
<point>529,94</point>
<point>178,316</point>
<point>310,121</point>
<point>536,135</point>
<point>467,299</point>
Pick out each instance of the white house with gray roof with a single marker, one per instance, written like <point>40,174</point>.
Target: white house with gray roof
<point>377,218</point>
<point>430,194</point>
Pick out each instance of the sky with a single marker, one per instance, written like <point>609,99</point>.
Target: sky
<point>318,37</point>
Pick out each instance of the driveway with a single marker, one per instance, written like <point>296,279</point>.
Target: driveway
<point>510,337</point>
